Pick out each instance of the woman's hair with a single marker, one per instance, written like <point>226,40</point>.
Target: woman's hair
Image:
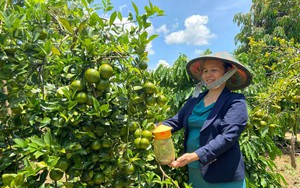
<point>227,65</point>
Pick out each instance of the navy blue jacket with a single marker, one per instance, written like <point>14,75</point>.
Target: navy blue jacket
<point>219,153</point>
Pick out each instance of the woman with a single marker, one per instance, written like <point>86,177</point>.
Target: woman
<point>213,121</point>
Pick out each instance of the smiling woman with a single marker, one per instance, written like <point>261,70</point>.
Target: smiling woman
<point>213,121</point>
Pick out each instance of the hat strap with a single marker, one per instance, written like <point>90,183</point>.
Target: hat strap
<point>223,79</point>
<point>215,84</point>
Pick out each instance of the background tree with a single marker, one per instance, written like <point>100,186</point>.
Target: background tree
<point>269,43</point>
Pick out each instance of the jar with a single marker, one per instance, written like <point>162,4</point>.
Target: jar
<point>163,145</point>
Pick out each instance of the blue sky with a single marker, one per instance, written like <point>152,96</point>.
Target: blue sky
<point>189,26</point>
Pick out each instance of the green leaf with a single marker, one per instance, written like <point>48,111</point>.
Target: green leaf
<point>46,121</point>
<point>120,16</point>
<point>52,160</point>
<point>104,108</point>
<point>96,104</point>
<point>152,37</point>
<point>20,142</point>
<point>71,105</point>
<point>55,51</point>
<point>48,138</point>
<point>37,154</point>
<point>66,24</point>
<point>112,18</point>
<point>81,26</point>
<point>135,8</point>
<point>37,141</point>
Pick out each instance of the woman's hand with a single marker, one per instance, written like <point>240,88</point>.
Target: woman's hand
<point>184,160</point>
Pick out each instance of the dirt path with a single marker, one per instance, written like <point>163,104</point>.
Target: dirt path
<point>284,167</point>
<point>291,175</point>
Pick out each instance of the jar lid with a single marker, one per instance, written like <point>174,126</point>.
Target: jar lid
<point>162,132</point>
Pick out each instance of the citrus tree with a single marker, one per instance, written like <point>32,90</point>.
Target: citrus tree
<point>77,102</point>
<point>270,46</point>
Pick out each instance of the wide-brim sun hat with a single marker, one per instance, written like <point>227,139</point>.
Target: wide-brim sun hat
<point>239,80</point>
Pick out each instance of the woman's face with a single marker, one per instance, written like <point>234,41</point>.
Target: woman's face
<point>212,70</point>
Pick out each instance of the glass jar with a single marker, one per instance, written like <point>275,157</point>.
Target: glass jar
<point>163,145</point>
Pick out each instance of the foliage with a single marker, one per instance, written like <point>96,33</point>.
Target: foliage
<point>268,19</point>
<point>270,46</point>
<point>59,118</point>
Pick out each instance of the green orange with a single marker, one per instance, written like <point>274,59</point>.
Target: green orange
<point>63,164</point>
<point>150,100</point>
<point>137,133</point>
<point>143,65</point>
<point>102,85</point>
<point>149,87</point>
<point>161,100</point>
<point>144,143</point>
<point>56,174</point>
<point>147,134</point>
<point>96,145</point>
<point>81,97</point>
<point>77,85</point>
<point>92,75</point>
<point>106,71</point>
<point>98,178</point>
<point>129,169</point>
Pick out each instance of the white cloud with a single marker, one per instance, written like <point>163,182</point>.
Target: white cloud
<point>150,30</point>
<point>163,63</point>
<point>122,7</point>
<point>162,29</point>
<point>175,25</point>
<point>149,49</point>
<point>196,32</point>
<point>198,52</point>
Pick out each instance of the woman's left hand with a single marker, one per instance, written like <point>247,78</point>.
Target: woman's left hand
<point>184,160</point>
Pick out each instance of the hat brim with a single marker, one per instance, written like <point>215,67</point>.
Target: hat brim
<point>241,79</point>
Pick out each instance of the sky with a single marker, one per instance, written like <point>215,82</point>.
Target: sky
<point>188,27</point>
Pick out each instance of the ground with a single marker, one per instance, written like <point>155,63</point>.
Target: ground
<point>291,175</point>
<point>283,163</point>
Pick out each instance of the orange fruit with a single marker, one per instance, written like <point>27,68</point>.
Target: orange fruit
<point>96,145</point>
<point>144,143</point>
<point>149,87</point>
<point>106,71</point>
<point>86,176</point>
<point>150,100</point>
<point>147,134</point>
<point>106,143</point>
<point>63,164</point>
<point>102,85</point>
<point>118,183</point>
<point>137,133</point>
<point>92,75</point>
<point>81,97</point>
<point>133,126</point>
<point>98,178</point>
<point>77,85</point>
<point>137,142</point>
<point>95,158</point>
<point>143,65</point>
<point>129,169</point>
<point>161,100</point>
<point>263,123</point>
<point>296,98</point>
<point>56,174</point>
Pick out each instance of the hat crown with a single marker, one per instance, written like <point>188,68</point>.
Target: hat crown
<point>241,79</point>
